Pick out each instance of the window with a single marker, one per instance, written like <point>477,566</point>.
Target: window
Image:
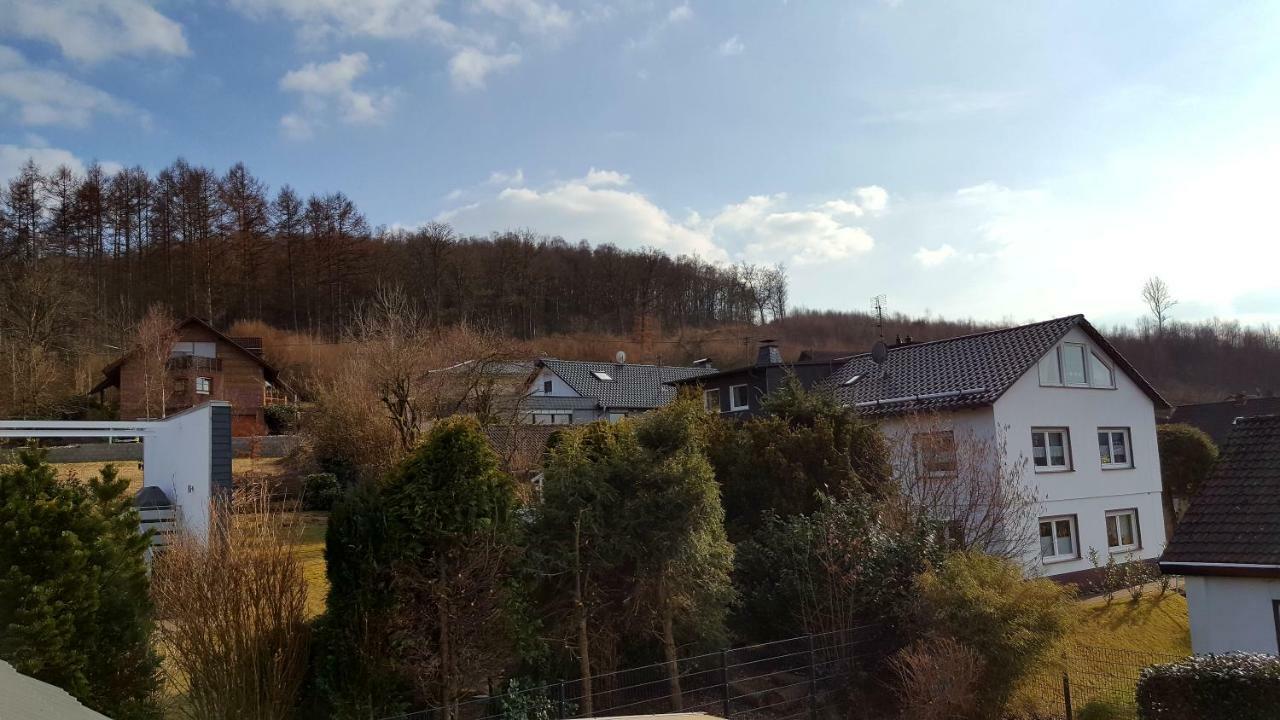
<point>616,416</point>
<point>1073,372</point>
<point>1058,538</point>
<point>551,418</point>
<point>546,387</point>
<point>711,400</point>
<point>1050,449</point>
<point>936,453</point>
<point>1100,374</point>
<point>1113,448</point>
<point>1050,372</point>
<point>738,397</point>
<point>853,379</point>
<point>602,376</point>
<point>180,386</point>
<point>202,385</point>
<point>1122,530</point>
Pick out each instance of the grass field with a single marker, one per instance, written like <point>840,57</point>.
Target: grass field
<point>130,470</point>
<point>309,547</point>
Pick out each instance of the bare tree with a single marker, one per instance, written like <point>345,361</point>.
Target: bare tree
<point>1159,300</point>
<point>969,482</point>
<point>153,345</point>
<point>234,630</point>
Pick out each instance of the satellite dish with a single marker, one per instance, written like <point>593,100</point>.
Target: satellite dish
<point>621,357</point>
<point>879,352</point>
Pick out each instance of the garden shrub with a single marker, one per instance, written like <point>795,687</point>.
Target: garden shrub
<point>985,603</point>
<point>1234,686</point>
<point>281,419</point>
<point>1105,710</point>
<point>320,491</point>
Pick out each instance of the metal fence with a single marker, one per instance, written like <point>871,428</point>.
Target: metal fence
<point>1091,682</point>
<point>801,677</point>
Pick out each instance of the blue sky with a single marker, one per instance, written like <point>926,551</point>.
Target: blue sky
<point>989,160</point>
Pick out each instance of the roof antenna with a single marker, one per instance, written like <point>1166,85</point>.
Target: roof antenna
<point>877,306</point>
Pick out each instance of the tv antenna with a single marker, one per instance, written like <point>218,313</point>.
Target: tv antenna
<point>877,306</point>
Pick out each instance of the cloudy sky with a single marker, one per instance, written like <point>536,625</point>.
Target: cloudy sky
<point>990,160</point>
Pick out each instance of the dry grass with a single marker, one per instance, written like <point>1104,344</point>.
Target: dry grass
<point>129,469</point>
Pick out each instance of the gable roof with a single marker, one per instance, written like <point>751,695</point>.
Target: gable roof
<point>112,371</point>
<point>1216,419</point>
<point>965,371</point>
<point>1235,519</point>
<point>632,386</point>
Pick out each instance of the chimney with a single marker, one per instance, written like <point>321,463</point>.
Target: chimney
<point>768,354</point>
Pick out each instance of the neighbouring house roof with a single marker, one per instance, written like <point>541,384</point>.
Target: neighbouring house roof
<point>1235,518</point>
<point>26,698</point>
<point>632,385</point>
<point>520,447</point>
<point>1217,418</point>
<point>112,371</point>
<point>826,355</point>
<point>966,371</point>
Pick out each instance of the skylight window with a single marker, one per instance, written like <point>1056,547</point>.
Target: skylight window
<point>852,380</point>
<point>602,376</point>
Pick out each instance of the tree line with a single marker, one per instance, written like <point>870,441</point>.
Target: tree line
<point>226,247</point>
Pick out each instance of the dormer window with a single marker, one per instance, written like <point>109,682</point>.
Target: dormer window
<point>602,376</point>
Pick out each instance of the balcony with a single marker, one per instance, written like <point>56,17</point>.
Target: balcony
<point>195,362</point>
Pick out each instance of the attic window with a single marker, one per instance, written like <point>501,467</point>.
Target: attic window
<point>852,380</point>
<point>602,376</point>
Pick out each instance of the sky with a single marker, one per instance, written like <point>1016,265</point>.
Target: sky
<point>989,160</point>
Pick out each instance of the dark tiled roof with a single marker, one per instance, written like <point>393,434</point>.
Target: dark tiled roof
<point>520,447</point>
<point>633,386</point>
<point>965,371</point>
<point>1216,418</point>
<point>1236,516</point>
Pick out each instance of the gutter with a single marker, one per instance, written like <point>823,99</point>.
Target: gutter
<point>918,398</point>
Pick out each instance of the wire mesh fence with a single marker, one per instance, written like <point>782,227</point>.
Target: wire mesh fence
<point>800,677</point>
<point>1091,681</point>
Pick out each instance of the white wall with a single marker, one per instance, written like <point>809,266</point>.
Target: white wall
<point>176,458</point>
<point>1087,491</point>
<point>559,388</point>
<point>1230,613</point>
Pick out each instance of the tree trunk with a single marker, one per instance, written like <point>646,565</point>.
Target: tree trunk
<point>669,653</point>
<point>580,608</point>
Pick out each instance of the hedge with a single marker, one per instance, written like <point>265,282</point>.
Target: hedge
<point>1234,686</point>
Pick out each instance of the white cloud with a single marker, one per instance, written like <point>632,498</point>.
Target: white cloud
<point>13,157</point>
<point>602,206</point>
<point>871,199</point>
<point>507,179</point>
<point>321,19</point>
<point>94,30</point>
<point>933,258</point>
<point>732,46</point>
<point>48,97</point>
<point>534,18</point>
<point>470,68</point>
<point>680,13</point>
<point>329,88</point>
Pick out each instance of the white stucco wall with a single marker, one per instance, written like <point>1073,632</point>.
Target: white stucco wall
<point>1230,613</point>
<point>176,458</point>
<point>1087,491</point>
<point>559,388</point>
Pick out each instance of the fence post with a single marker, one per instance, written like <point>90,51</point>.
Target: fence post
<point>724,678</point>
<point>560,702</point>
<point>1066,695</point>
<point>813,681</point>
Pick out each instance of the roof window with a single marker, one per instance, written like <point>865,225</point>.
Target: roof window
<point>852,380</point>
<point>602,376</point>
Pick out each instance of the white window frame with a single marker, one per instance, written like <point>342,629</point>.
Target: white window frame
<point>1084,364</point>
<point>1066,449</point>
<point>1111,448</point>
<point>706,400</point>
<point>733,401</point>
<point>602,376</point>
<point>547,417</point>
<point>1057,357</point>
<point>919,440</point>
<point>1053,521</point>
<point>1137,530</point>
<point>207,383</point>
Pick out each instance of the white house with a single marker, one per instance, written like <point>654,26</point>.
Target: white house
<point>1228,545</point>
<point>570,392</point>
<point>1057,396</point>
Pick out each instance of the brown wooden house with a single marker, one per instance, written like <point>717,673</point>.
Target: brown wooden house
<point>204,365</point>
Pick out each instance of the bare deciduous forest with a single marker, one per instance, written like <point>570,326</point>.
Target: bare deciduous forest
<point>85,257</point>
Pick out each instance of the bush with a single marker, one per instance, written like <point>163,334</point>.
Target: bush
<point>1105,710</point>
<point>937,679</point>
<point>1238,686</point>
<point>985,603</point>
<point>281,419</point>
<point>320,491</point>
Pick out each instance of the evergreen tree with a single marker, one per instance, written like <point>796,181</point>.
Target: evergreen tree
<point>74,605</point>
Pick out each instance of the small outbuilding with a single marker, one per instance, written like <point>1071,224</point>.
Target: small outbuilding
<point>1228,545</point>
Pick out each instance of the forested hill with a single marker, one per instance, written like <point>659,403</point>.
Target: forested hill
<point>84,256</point>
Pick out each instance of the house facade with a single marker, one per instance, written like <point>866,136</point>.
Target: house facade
<point>740,393</point>
<point>204,365</point>
<point>1055,405</point>
<point>1227,546</point>
<point>572,392</point>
